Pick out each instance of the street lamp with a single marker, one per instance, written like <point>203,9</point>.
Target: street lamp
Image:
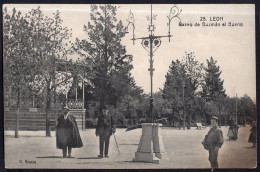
<point>151,148</point>
<point>152,43</point>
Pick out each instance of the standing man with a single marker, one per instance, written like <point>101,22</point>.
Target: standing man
<point>105,128</point>
<point>67,136</point>
<point>213,141</point>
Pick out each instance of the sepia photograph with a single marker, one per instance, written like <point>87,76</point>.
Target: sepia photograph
<point>129,86</point>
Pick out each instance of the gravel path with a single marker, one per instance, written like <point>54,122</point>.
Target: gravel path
<point>184,150</point>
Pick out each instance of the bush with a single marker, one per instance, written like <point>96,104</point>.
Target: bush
<point>142,120</point>
<point>121,126</point>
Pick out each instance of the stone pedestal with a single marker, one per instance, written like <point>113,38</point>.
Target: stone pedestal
<point>158,146</point>
<point>151,148</point>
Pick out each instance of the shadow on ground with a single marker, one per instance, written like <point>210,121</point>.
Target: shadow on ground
<point>51,157</point>
<point>89,158</point>
<point>141,162</point>
<point>250,147</point>
<point>12,136</point>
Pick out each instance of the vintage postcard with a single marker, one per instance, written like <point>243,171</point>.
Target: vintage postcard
<point>129,86</point>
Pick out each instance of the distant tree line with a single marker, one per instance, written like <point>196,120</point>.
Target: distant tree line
<point>194,92</point>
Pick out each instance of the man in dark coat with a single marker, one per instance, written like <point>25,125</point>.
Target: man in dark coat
<point>213,141</point>
<point>105,128</point>
<point>67,136</point>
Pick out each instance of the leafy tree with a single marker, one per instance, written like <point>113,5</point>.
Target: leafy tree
<point>111,65</point>
<point>210,109</point>
<point>182,85</point>
<point>173,89</point>
<point>219,103</point>
<point>16,56</point>
<point>246,109</point>
<point>229,112</point>
<point>213,88</point>
<point>48,38</point>
<point>132,105</point>
<point>194,76</point>
<point>199,109</point>
<point>158,104</point>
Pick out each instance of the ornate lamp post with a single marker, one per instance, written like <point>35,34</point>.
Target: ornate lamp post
<point>152,43</point>
<point>151,148</point>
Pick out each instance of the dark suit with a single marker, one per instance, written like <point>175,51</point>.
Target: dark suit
<point>105,128</point>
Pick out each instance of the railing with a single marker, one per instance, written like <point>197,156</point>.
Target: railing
<point>75,104</point>
<point>36,120</point>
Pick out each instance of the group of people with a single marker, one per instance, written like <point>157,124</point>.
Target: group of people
<point>233,132</point>
<point>68,136</point>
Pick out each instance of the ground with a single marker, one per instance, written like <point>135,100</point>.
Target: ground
<point>184,150</point>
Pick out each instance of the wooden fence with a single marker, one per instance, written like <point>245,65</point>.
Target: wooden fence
<point>36,120</point>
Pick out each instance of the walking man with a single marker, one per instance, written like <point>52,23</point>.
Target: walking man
<point>213,141</point>
<point>105,128</point>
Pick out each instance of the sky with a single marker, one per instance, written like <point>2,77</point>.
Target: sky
<point>233,47</point>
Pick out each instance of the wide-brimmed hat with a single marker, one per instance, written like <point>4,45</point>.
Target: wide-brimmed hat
<point>214,117</point>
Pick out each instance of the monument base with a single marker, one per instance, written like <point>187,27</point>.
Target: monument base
<point>151,148</point>
<point>146,157</point>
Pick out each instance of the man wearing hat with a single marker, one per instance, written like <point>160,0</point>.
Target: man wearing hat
<point>105,128</point>
<point>213,141</point>
<point>67,136</point>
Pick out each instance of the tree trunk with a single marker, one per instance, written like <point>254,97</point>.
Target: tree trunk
<point>189,121</point>
<point>205,117</point>
<point>48,107</point>
<point>102,97</point>
<point>184,119</point>
<point>10,93</point>
<point>219,118</point>
<point>55,107</point>
<point>104,70</point>
<point>55,103</point>
<point>179,121</point>
<point>184,116</point>
<point>219,124</point>
<point>17,113</point>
